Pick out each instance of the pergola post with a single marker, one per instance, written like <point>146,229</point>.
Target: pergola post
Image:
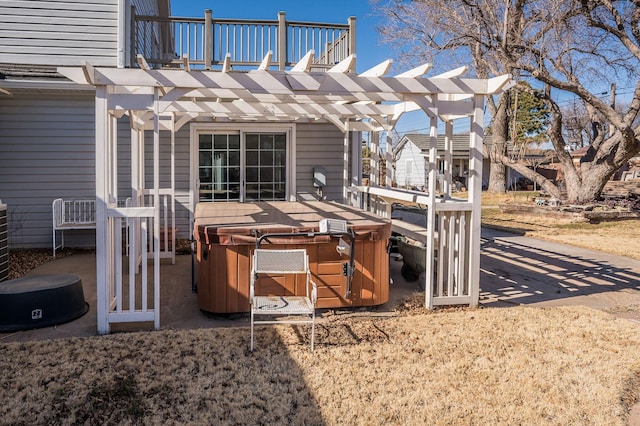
<point>345,166</point>
<point>156,208</point>
<point>431,213</point>
<point>474,186</point>
<point>102,254</point>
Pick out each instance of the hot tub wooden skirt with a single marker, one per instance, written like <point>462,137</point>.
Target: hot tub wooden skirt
<point>225,243</point>
<point>41,301</point>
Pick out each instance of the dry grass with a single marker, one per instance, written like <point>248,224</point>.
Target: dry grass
<point>491,366</point>
<point>614,237</point>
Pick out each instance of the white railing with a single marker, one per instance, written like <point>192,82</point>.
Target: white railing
<point>168,230</point>
<point>450,242</point>
<point>205,42</point>
<point>130,300</point>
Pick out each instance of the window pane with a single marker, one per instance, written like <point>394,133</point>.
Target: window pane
<point>205,159</point>
<point>205,192</point>
<point>252,158</point>
<point>266,174</point>
<point>220,142</point>
<point>234,174</point>
<point>205,141</point>
<point>266,142</point>
<point>205,174</point>
<point>220,193</point>
<point>266,191</point>
<point>252,191</point>
<point>234,142</point>
<point>280,158</point>
<point>234,158</point>
<point>266,158</point>
<point>219,159</point>
<point>279,174</point>
<point>280,141</point>
<point>252,141</point>
<point>252,174</point>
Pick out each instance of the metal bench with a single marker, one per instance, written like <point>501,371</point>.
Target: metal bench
<point>71,214</point>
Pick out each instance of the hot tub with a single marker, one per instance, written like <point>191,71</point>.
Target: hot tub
<point>225,236</point>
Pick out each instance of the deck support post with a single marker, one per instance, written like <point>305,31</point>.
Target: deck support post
<point>282,41</point>
<point>208,39</point>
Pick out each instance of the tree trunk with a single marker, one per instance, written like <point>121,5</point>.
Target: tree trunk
<point>500,128</point>
<point>525,171</point>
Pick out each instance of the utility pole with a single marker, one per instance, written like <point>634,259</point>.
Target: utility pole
<point>612,102</point>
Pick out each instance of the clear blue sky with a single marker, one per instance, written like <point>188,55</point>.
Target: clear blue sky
<point>370,51</point>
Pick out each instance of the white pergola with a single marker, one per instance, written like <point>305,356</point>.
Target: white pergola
<point>158,100</point>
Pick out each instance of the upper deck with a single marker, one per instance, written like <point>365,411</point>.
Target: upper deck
<point>208,41</point>
<point>38,37</point>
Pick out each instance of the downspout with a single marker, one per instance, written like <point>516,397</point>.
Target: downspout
<point>123,13</point>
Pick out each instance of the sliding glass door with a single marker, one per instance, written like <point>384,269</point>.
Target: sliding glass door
<point>241,166</point>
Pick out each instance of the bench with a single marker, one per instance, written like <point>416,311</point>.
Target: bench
<point>71,214</point>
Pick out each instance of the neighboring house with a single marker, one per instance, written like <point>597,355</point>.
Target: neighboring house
<point>411,155</point>
<point>47,122</point>
<point>628,171</point>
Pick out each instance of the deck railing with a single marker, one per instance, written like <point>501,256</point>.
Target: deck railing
<point>205,42</point>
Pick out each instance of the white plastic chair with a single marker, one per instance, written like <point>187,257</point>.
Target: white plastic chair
<point>283,262</point>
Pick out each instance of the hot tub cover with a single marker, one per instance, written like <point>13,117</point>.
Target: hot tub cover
<point>235,223</point>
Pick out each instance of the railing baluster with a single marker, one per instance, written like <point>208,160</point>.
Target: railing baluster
<point>227,51</point>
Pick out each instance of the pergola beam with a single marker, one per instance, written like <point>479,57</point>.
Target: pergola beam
<point>321,84</point>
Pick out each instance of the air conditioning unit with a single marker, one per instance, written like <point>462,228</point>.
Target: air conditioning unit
<point>4,243</point>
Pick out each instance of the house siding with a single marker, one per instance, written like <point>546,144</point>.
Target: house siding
<point>47,152</point>
<point>56,32</point>
<point>410,152</point>
<point>319,145</point>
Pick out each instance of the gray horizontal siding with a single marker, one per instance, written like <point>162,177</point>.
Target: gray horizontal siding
<point>47,151</point>
<point>319,145</point>
<point>58,32</point>
<point>52,156</point>
<point>42,159</point>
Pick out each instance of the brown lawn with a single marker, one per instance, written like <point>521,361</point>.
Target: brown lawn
<point>519,365</point>
<point>489,366</point>
<point>620,237</point>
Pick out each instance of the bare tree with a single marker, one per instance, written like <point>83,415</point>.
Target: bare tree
<point>427,31</point>
<point>560,46</point>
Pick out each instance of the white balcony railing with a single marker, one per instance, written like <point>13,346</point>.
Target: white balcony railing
<point>205,42</point>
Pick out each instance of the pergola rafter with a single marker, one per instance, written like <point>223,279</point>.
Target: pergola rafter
<point>167,99</point>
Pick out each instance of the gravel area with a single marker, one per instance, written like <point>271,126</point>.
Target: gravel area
<point>21,261</point>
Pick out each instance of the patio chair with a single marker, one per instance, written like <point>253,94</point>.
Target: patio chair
<point>266,262</point>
